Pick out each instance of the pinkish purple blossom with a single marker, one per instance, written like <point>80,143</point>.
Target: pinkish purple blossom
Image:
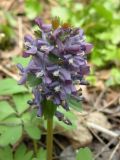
<point>58,62</point>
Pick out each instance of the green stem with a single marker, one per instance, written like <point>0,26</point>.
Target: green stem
<point>35,147</point>
<point>49,138</point>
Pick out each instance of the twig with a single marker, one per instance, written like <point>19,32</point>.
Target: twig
<point>101,129</point>
<point>20,32</point>
<point>99,98</point>
<point>8,73</point>
<point>58,143</point>
<point>109,104</point>
<point>114,151</point>
<point>96,136</point>
<point>103,149</point>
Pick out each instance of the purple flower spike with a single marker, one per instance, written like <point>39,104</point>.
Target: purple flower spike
<point>57,64</point>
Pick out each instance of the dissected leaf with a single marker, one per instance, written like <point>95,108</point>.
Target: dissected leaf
<point>10,135</point>
<point>21,102</point>
<point>26,118</point>
<point>69,115</point>
<point>22,60</point>
<point>9,86</point>
<point>10,130</point>
<point>5,110</point>
<point>41,154</point>
<point>22,154</point>
<point>6,153</point>
<point>33,131</point>
<point>75,104</point>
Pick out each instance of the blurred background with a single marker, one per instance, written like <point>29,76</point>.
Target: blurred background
<point>22,135</point>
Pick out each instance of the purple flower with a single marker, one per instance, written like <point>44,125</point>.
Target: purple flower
<point>57,64</point>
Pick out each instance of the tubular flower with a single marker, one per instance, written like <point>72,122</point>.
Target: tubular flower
<point>58,63</point>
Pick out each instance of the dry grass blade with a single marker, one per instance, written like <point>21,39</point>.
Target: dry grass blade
<point>9,73</point>
<point>104,148</point>
<point>103,130</point>
<point>114,151</point>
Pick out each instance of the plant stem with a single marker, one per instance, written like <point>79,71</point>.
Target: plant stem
<point>35,146</point>
<point>49,138</point>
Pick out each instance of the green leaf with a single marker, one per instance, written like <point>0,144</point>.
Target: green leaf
<point>32,8</point>
<point>11,130</point>
<point>21,60</point>
<point>5,110</point>
<point>10,135</point>
<point>21,102</point>
<point>41,154</point>
<point>69,115</point>
<point>6,153</point>
<point>11,20</point>
<point>33,80</point>
<point>26,117</point>
<point>22,154</point>
<point>28,155</point>
<point>84,154</point>
<point>114,78</point>
<point>104,12</point>
<point>75,104</point>
<point>9,86</point>
<point>33,131</point>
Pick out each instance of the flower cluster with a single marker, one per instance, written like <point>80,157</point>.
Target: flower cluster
<point>58,63</point>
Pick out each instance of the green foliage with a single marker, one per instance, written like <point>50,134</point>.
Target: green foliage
<point>74,104</point>
<point>84,154</point>
<point>6,29</point>
<point>114,78</point>
<point>19,59</point>
<point>6,153</point>
<point>16,118</point>
<point>32,8</point>
<point>20,153</point>
<point>41,154</point>
<point>69,115</point>
<point>9,86</point>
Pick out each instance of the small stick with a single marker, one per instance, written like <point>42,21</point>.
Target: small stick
<point>20,32</point>
<point>96,136</point>
<point>114,151</point>
<point>58,143</point>
<point>109,104</point>
<point>8,73</point>
<point>103,149</point>
<point>99,98</point>
<point>101,129</point>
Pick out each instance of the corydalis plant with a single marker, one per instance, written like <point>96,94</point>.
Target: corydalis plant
<point>58,63</point>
